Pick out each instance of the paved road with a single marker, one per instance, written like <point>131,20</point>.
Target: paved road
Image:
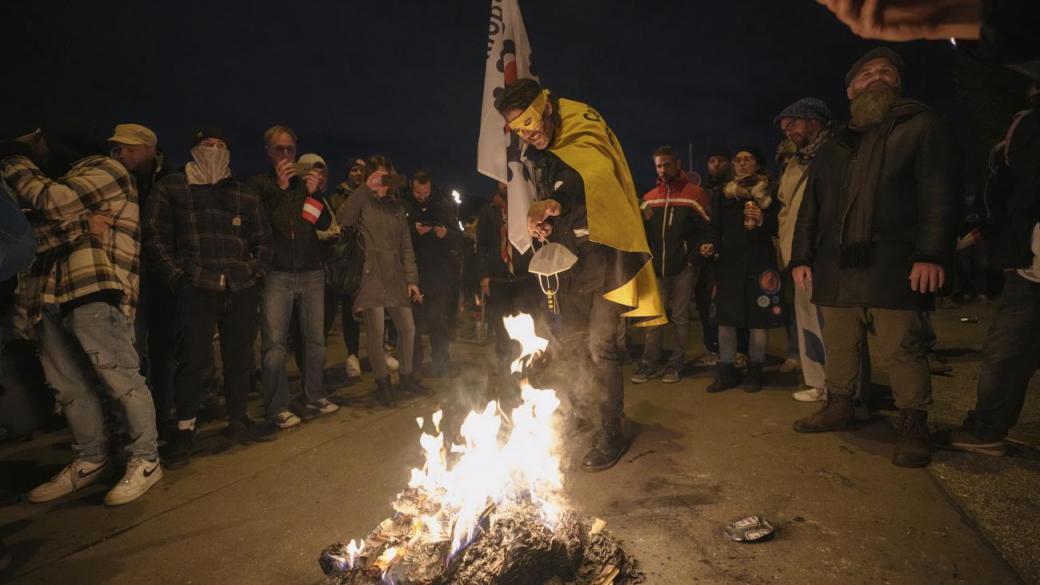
<point>261,514</point>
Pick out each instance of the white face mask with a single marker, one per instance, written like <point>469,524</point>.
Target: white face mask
<point>210,165</point>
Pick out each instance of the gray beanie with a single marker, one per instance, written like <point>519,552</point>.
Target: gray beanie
<point>807,108</point>
<point>875,53</point>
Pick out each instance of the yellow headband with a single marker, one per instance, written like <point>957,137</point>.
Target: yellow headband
<point>530,120</point>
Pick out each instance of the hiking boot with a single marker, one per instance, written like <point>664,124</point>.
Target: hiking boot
<point>671,375</point>
<point>726,378</point>
<point>912,448</point>
<point>247,431</point>
<point>961,440</point>
<point>180,449</point>
<point>384,392</point>
<point>755,378</point>
<point>607,449</point>
<point>411,383</point>
<point>141,474</point>
<point>73,477</point>
<point>644,373</point>
<point>836,415</point>
<point>810,395</point>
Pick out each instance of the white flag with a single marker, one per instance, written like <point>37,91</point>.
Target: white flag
<point>498,150</point>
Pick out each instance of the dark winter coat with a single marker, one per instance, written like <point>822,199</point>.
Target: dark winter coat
<point>295,240</point>
<point>748,283</point>
<point>915,219</point>
<point>1013,196</point>
<point>490,264</point>
<point>438,259</point>
<point>389,259</point>
<point>675,214</point>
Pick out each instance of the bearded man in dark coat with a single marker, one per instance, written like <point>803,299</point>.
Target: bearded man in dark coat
<point>877,224</point>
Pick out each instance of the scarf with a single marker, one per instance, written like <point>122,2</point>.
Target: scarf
<point>505,249</point>
<point>209,167</point>
<point>805,155</point>
<point>864,175</point>
<point>750,187</point>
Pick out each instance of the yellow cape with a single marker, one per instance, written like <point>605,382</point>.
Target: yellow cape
<point>586,144</point>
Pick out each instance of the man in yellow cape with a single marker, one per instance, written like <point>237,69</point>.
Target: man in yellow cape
<point>587,202</point>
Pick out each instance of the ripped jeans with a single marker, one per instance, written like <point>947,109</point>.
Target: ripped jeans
<point>93,346</point>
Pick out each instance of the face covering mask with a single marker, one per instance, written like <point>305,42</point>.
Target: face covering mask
<point>210,165</point>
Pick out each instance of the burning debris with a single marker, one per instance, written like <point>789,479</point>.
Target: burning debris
<point>487,511</point>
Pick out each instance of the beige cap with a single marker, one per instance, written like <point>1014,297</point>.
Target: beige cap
<point>134,134</point>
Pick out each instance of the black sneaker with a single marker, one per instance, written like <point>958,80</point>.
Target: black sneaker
<point>960,440</point>
<point>247,431</point>
<point>645,373</point>
<point>180,449</point>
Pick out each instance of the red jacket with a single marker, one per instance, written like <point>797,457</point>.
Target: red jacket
<point>675,214</point>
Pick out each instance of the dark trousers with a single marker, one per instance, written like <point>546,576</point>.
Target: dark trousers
<point>351,327</point>
<point>155,338</point>
<point>590,340</point>
<point>235,316</point>
<point>431,318</point>
<point>1010,357</point>
<point>704,294</point>
<point>508,298</point>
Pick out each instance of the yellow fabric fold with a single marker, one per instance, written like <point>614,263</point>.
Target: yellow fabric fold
<point>586,144</point>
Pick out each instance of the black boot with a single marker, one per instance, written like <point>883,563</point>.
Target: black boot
<point>725,378</point>
<point>912,448</point>
<point>411,383</point>
<point>179,450</point>
<point>607,448</point>
<point>385,392</point>
<point>755,378</point>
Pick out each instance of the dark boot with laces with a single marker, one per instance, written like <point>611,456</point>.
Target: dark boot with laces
<point>385,392</point>
<point>836,415</point>
<point>727,377</point>
<point>912,448</point>
<point>608,447</point>
<point>412,383</point>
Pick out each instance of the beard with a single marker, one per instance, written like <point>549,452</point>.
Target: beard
<point>870,106</point>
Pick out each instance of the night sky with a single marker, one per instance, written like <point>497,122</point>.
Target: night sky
<point>404,78</point>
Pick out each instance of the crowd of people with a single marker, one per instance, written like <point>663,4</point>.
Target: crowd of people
<point>136,265</point>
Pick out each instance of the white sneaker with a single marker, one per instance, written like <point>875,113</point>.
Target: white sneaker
<point>790,365</point>
<point>810,395</point>
<point>353,366</point>
<point>391,362</point>
<point>285,420</point>
<point>75,476</point>
<point>325,406</point>
<point>140,476</point>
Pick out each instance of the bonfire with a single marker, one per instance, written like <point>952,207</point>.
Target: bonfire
<point>488,509</point>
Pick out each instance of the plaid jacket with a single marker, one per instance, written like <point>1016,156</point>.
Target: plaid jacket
<point>70,262</point>
<point>214,237</point>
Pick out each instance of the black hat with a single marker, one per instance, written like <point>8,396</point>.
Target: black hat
<point>719,150</point>
<point>875,53</point>
<point>807,108</point>
<point>204,132</point>
<point>757,153</point>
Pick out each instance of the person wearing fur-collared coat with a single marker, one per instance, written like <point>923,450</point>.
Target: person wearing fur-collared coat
<point>744,224</point>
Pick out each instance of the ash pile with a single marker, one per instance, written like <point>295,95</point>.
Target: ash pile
<point>511,545</point>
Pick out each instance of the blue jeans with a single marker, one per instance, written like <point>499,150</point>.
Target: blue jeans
<point>95,343</point>
<point>283,291</point>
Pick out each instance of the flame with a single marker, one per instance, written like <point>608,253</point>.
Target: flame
<point>499,460</point>
<point>521,328</point>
